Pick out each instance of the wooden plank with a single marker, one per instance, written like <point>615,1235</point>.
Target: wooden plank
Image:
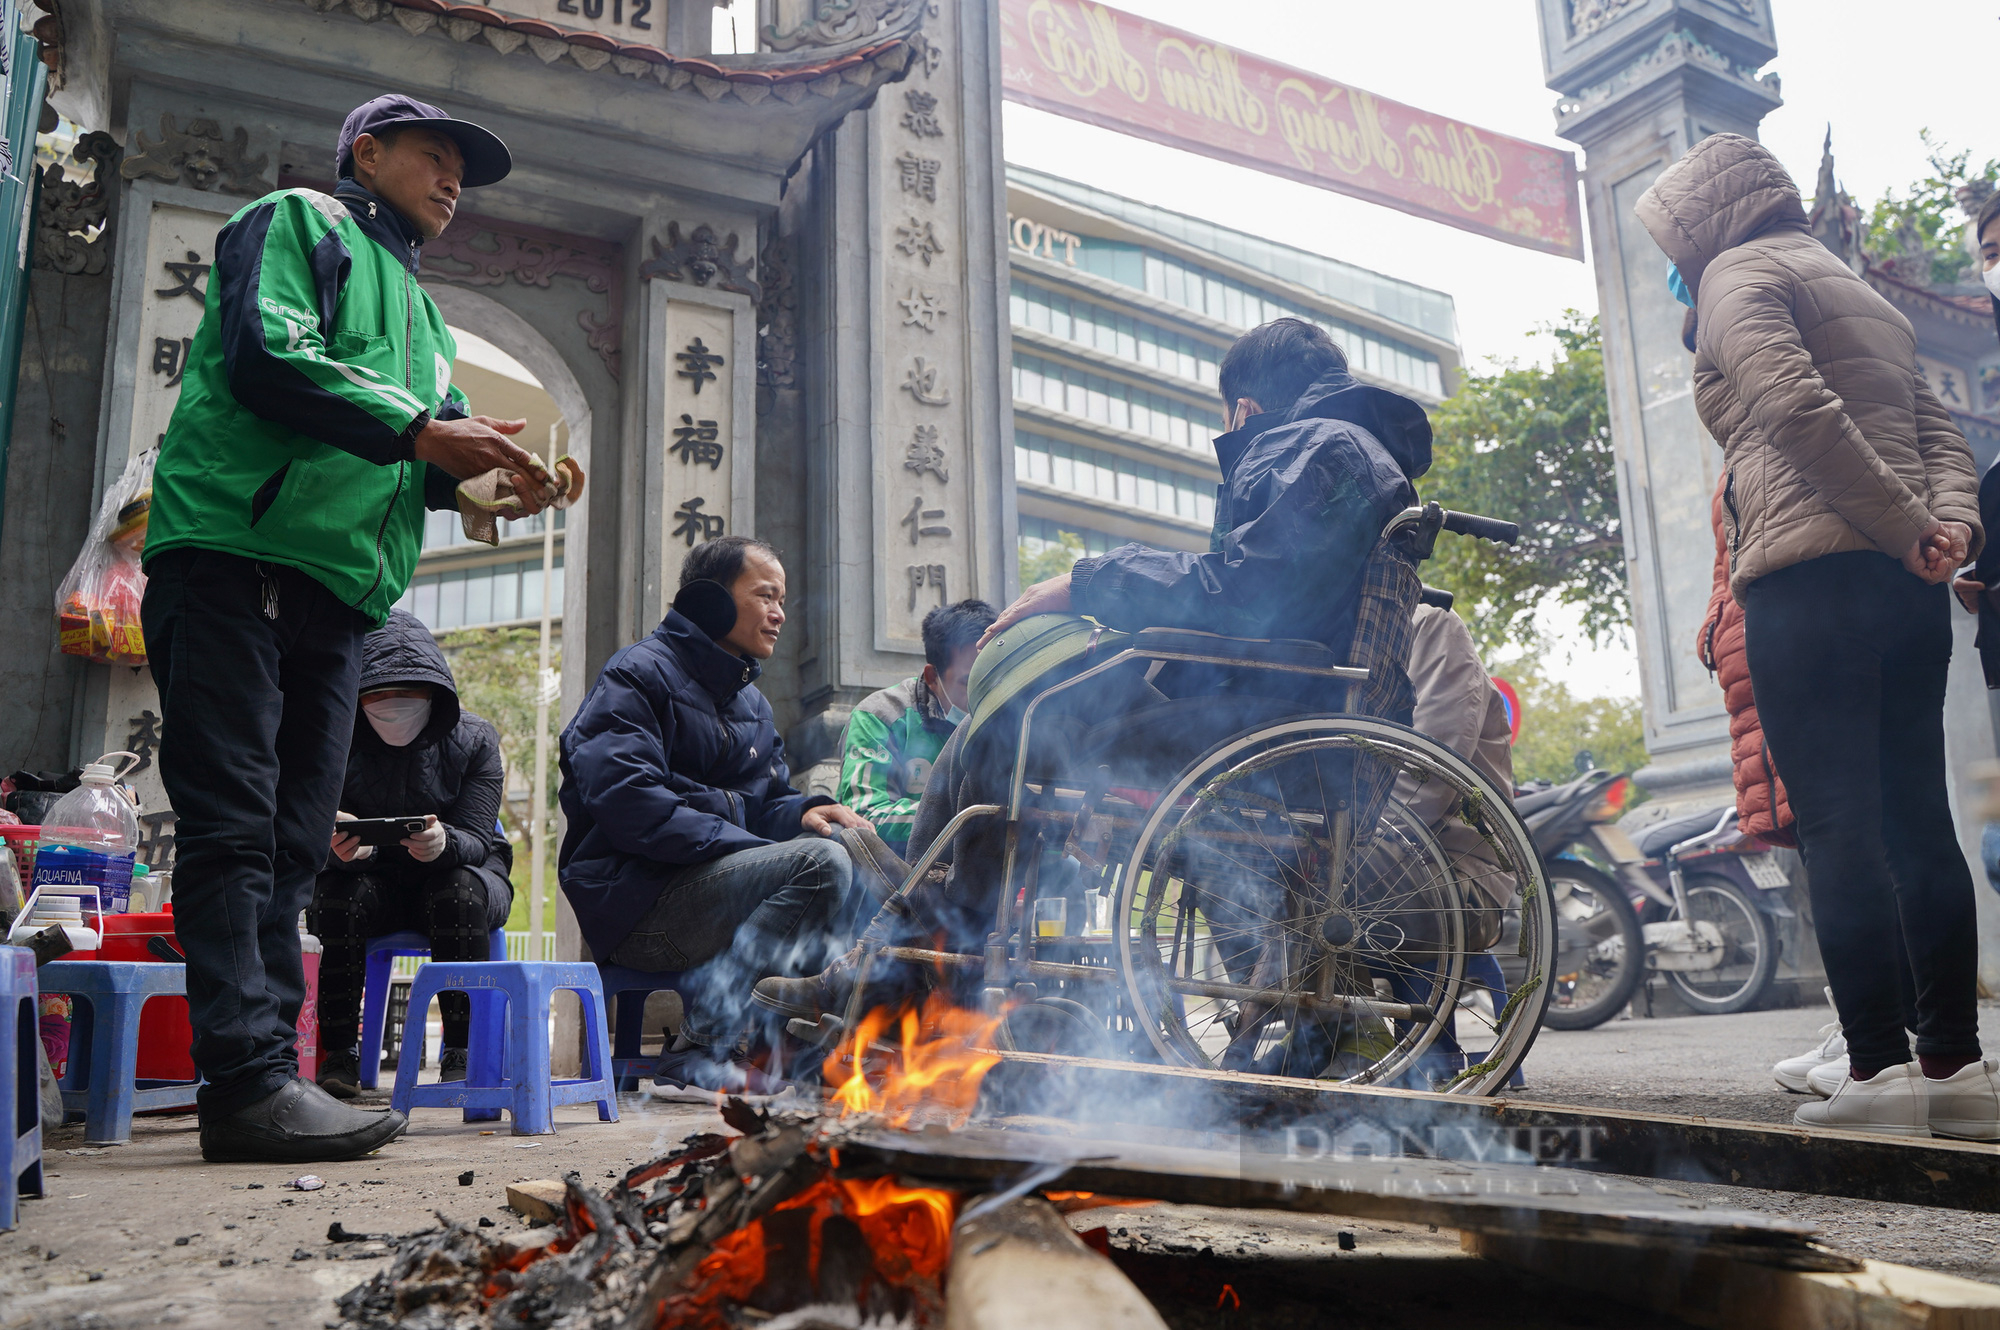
<point>1324,1116</point>
<point>1725,1294</point>
<point>1020,1267</point>
<point>1498,1198</point>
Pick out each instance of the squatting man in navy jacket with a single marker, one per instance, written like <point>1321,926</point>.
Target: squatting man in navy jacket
<point>687,847</point>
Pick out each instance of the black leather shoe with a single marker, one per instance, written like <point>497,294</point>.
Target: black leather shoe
<point>340,1075</point>
<point>451,1064</point>
<point>299,1124</point>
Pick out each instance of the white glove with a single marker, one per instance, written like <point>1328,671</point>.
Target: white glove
<point>427,844</point>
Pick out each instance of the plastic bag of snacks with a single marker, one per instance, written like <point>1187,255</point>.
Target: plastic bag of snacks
<point>97,606</point>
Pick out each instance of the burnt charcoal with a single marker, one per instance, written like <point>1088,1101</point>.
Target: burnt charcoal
<point>741,1116</point>
<point>335,1233</point>
<point>787,1262</point>
<point>762,1155</point>
<point>846,1265</point>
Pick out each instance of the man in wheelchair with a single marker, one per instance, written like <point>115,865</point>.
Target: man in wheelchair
<point>1314,464</point>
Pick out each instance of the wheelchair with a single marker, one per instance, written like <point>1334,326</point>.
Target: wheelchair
<point>1244,883</point>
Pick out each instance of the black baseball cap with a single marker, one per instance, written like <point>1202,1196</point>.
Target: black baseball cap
<point>487,160</point>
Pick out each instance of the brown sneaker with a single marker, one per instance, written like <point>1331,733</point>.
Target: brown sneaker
<point>340,1075</point>
<point>815,994</point>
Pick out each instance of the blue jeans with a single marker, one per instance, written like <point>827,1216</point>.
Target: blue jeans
<point>778,909</point>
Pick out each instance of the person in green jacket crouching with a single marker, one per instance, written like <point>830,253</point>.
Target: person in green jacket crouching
<point>895,735</point>
<point>316,422</point>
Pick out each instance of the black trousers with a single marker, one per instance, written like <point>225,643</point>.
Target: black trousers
<point>1848,655</point>
<point>453,907</point>
<point>257,713</point>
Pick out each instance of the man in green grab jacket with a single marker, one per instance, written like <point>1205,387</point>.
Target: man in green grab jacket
<point>895,735</point>
<point>316,422</point>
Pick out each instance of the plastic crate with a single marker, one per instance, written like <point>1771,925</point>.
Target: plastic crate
<point>23,841</point>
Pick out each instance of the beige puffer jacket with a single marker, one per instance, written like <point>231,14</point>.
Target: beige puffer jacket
<point>1805,375</point>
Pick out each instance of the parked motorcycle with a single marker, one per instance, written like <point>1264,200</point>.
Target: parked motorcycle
<point>1710,895</point>
<point>1600,945</point>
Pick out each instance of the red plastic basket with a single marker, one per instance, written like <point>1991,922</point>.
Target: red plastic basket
<point>23,842</point>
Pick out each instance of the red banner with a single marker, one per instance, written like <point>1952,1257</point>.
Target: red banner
<point>1097,64</point>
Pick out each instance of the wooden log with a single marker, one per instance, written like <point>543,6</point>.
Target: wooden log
<point>540,1201</point>
<point>1020,1267</point>
<point>1955,1175</point>
<point>1725,1294</point>
<point>1495,1198</point>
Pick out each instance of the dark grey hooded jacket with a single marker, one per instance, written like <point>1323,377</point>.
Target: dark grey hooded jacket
<point>452,769</point>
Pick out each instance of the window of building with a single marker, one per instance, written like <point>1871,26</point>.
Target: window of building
<point>1112,479</point>
<point>492,593</point>
<point>445,530</point>
<point>1110,402</point>
<point>1241,307</point>
<point>1039,533</point>
<point>1089,324</point>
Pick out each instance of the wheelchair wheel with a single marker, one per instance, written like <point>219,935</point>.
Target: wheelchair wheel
<point>1266,931</point>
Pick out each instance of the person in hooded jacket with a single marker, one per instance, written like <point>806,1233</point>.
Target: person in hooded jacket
<point>1849,500</point>
<point>1314,465</point>
<point>1979,589</point>
<point>415,752</point>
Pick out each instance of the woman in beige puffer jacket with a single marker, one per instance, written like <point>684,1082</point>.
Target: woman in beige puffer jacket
<point>1850,499</point>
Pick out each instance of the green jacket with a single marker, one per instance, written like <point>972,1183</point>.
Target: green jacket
<point>892,740</point>
<point>317,362</point>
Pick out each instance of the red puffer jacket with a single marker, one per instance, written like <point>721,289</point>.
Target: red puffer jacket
<point>1760,796</point>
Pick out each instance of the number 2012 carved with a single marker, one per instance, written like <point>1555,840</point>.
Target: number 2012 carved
<point>594,9</point>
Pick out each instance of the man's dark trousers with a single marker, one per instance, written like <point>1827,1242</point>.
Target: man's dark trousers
<point>257,666</point>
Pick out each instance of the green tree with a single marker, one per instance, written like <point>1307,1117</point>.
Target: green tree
<point>1533,446</point>
<point>495,670</point>
<point>1556,724</point>
<point>1928,217</point>
<point>1051,560</point>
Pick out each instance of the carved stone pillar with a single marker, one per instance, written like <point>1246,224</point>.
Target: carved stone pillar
<point>1642,81</point>
<point>902,337</point>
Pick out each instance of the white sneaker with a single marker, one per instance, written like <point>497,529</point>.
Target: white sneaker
<point>1966,1104</point>
<point>1824,1079</point>
<point>1792,1072</point>
<point>1893,1102</point>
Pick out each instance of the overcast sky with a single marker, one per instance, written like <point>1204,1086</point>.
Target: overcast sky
<point>1878,81</point>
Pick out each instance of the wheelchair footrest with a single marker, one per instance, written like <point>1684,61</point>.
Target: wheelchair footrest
<point>822,1033</point>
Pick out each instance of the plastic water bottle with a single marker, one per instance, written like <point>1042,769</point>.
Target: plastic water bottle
<point>90,841</point>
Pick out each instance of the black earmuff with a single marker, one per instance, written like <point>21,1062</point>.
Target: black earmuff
<point>708,606</point>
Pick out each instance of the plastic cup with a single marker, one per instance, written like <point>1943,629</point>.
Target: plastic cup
<point>1051,917</point>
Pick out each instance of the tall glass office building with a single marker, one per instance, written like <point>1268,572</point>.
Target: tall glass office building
<point>1121,313</point>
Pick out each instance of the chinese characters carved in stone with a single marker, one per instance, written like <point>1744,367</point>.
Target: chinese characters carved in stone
<point>922,384</point>
<point>693,525</point>
<point>919,175</point>
<point>922,521</point>
<point>922,309</point>
<point>927,574</point>
<point>919,240</point>
<point>698,364</point>
<point>921,117</point>
<point>697,441</point>
<point>926,454</point>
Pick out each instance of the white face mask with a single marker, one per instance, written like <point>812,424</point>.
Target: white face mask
<point>1992,279</point>
<point>399,720</point>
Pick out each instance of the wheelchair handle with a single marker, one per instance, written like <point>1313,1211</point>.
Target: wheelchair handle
<point>1485,528</point>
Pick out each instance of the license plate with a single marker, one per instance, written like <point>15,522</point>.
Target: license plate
<point>1617,844</point>
<point>1766,871</point>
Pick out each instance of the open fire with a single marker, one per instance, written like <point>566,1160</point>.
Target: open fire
<point>724,1231</point>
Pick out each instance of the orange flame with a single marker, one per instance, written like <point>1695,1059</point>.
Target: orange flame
<point>907,1229</point>
<point>1070,1202</point>
<point>935,1074</point>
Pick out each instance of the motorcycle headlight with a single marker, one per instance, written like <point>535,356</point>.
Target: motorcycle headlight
<point>1611,801</point>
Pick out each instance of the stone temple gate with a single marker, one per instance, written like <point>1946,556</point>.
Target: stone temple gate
<point>792,254</point>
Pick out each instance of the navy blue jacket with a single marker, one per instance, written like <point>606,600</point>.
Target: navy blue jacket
<point>673,759</point>
<point>1304,494</point>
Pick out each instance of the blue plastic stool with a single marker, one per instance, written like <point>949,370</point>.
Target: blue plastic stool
<point>102,1080</point>
<point>20,1089</point>
<point>628,1024</point>
<point>381,958</point>
<point>508,1062</point>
